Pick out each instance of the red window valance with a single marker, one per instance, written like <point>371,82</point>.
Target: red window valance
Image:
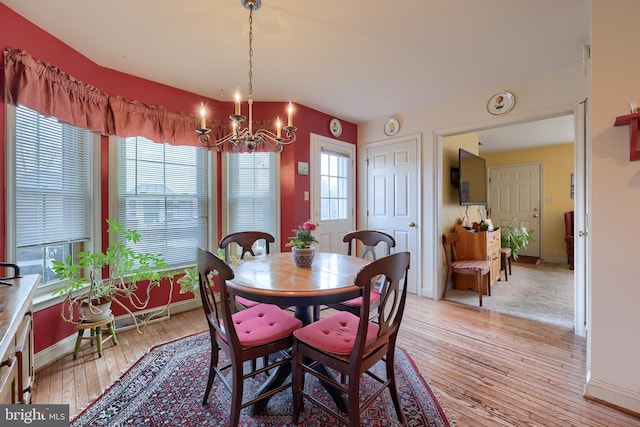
<point>48,90</point>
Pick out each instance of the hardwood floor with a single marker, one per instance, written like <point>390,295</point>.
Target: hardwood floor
<point>486,368</point>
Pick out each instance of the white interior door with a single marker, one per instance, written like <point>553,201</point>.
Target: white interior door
<point>393,197</point>
<point>333,191</point>
<point>514,191</point>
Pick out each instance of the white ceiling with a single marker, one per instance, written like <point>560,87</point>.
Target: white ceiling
<point>558,130</point>
<point>358,60</point>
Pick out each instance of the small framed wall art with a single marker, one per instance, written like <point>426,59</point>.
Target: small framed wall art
<point>501,103</point>
<point>391,127</point>
<point>335,126</point>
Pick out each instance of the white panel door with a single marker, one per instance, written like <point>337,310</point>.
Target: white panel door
<point>333,192</point>
<point>393,197</point>
<point>514,191</point>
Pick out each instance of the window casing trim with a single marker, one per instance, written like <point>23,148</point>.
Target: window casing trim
<point>44,292</point>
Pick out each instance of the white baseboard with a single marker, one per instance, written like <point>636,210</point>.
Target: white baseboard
<point>67,345</point>
<point>614,395</point>
<point>556,259</point>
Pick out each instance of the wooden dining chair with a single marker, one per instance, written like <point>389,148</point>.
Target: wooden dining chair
<point>351,344</point>
<point>370,239</point>
<point>480,269</point>
<point>243,242</point>
<point>247,335</point>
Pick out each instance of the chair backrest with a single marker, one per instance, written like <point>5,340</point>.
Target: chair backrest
<point>215,297</point>
<point>568,224</point>
<point>394,269</point>
<point>245,240</point>
<point>449,245</point>
<point>370,239</point>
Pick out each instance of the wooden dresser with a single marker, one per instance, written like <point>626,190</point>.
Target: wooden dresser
<point>16,332</point>
<point>483,245</point>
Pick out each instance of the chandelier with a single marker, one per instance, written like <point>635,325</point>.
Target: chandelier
<point>245,138</point>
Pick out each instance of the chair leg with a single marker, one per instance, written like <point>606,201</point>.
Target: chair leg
<point>236,395</point>
<point>212,371</point>
<point>503,266</point>
<point>353,400</point>
<point>393,388</point>
<point>297,382</point>
<point>480,283</point>
<point>446,283</point>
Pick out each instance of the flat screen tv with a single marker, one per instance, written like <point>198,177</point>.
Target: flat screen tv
<point>473,179</point>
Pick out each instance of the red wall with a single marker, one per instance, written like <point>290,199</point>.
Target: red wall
<point>17,32</point>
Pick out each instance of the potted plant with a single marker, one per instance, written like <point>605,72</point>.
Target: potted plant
<point>128,271</point>
<point>515,237</point>
<point>301,244</point>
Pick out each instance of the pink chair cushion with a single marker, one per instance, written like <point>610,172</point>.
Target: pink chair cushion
<point>263,323</point>
<point>357,302</point>
<point>246,302</point>
<point>336,333</point>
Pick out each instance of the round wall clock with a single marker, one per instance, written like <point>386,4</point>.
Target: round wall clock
<point>501,103</point>
<point>391,127</point>
<point>335,126</point>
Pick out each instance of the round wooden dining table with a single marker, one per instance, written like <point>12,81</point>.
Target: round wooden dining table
<point>275,279</point>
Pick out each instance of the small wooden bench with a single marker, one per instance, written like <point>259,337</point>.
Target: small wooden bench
<point>96,334</point>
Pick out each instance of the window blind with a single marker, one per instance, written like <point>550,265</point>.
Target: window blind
<point>251,192</point>
<point>162,193</point>
<point>53,199</point>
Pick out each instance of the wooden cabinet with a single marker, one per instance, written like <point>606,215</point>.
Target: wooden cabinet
<point>483,245</point>
<point>16,334</point>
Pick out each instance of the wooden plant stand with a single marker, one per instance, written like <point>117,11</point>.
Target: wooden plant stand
<point>96,334</point>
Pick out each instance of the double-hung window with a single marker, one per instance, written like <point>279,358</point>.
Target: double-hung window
<point>252,193</point>
<point>334,185</point>
<point>49,198</point>
<point>161,192</point>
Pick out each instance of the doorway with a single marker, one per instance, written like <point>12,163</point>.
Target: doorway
<point>507,147</point>
<point>333,191</point>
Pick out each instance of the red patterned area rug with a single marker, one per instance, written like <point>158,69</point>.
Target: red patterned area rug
<point>165,388</point>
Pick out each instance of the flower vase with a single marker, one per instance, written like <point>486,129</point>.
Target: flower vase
<point>303,257</point>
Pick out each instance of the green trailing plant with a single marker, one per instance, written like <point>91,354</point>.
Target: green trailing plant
<point>515,236</point>
<point>128,272</point>
<point>189,282</point>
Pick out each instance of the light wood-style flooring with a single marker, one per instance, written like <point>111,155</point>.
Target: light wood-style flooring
<point>486,368</point>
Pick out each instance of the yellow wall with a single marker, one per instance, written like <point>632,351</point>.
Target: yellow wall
<point>557,161</point>
<point>452,212</point>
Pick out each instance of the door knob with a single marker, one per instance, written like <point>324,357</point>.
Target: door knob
<point>536,215</point>
<point>412,224</point>
<point>582,233</point>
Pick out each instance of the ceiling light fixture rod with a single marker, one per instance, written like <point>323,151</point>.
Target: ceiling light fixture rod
<point>244,139</point>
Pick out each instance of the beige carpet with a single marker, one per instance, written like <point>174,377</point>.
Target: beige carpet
<point>544,293</point>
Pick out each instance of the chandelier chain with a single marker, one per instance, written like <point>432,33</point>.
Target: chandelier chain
<point>250,54</point>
